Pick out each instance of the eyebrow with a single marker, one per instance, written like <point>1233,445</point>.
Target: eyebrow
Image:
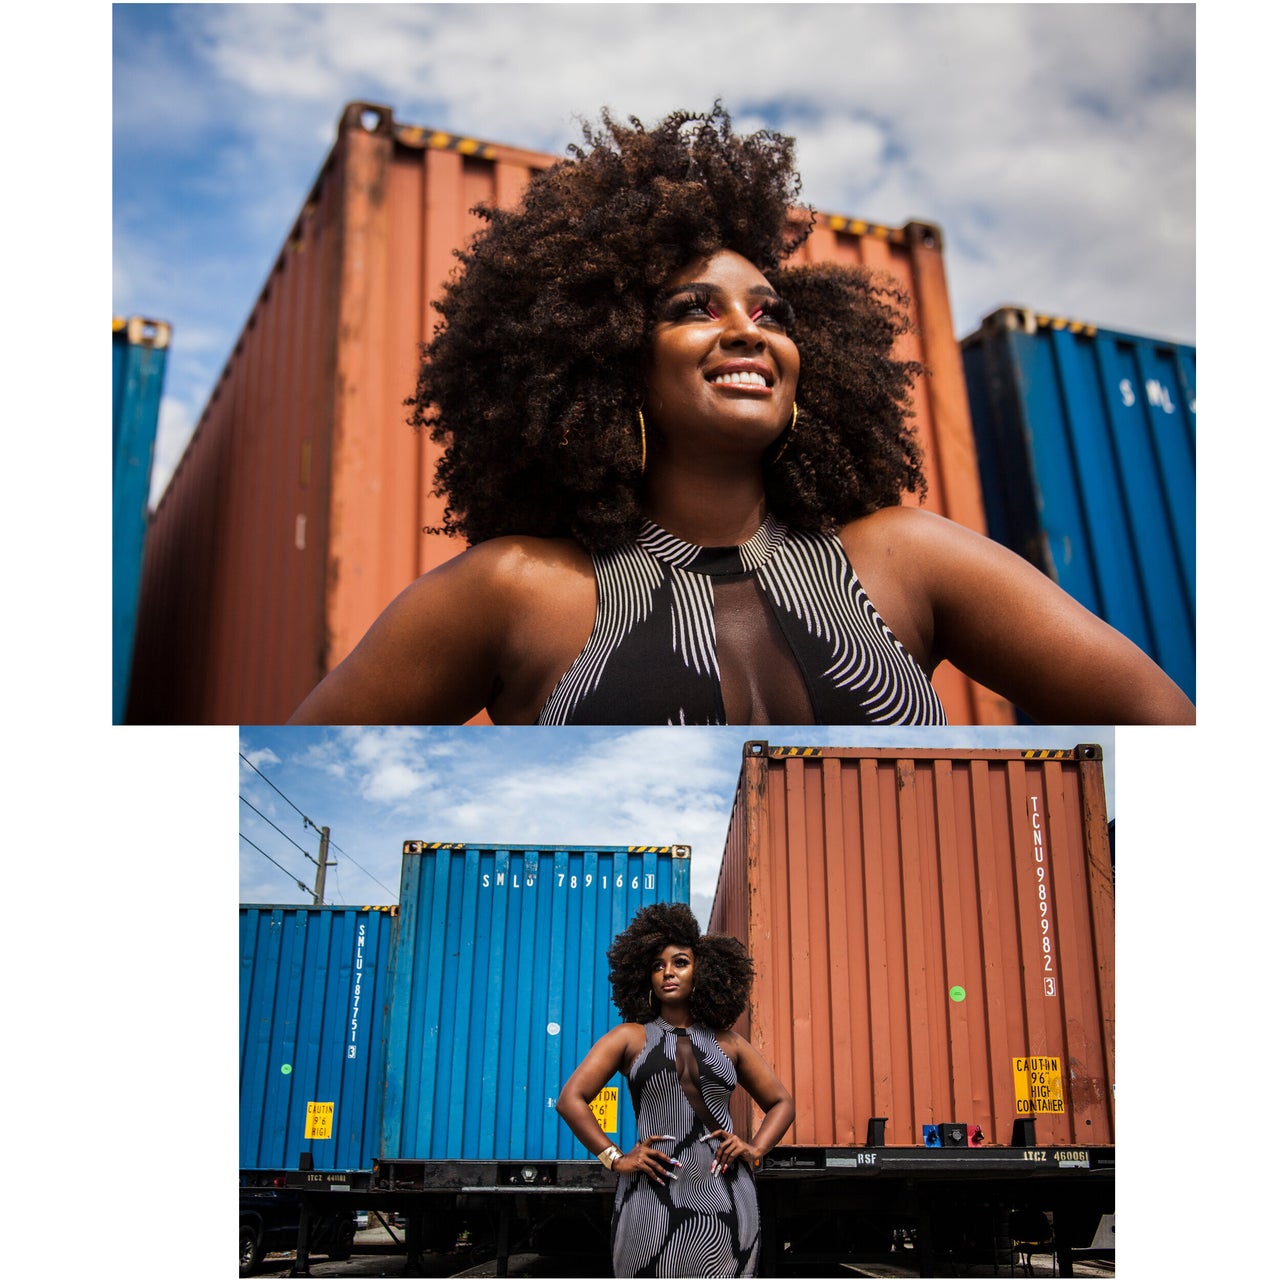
<point>756,290</point>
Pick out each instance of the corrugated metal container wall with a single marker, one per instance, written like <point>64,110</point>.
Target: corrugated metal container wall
<point>296,514</point>
<point>921,922</point>
<point>1086,444</point>
<point>500,986</point>
<point>139,353</point>
<point>312,1004</point>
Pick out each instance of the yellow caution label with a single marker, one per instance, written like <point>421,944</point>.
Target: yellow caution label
<point>1037,1086</point>
<point>319,1120</point>
<point>604,1106</point>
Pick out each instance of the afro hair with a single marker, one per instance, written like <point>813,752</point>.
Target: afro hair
<point>722,969</point>
<point>533,378</point>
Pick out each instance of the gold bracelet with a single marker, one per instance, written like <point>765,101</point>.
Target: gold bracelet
<point>609,1157</point>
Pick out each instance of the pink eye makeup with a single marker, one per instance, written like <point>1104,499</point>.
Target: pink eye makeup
<point>694,301</point>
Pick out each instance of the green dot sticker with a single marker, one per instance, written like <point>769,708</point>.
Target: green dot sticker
<point>957,994</point>
<point>286,1069</point>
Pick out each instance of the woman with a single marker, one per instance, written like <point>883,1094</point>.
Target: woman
<point>680,468</point>
<point>686,1201</point>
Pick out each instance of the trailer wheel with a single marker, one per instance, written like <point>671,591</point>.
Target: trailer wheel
<point>250,1250</point>
<point>344,1233</point>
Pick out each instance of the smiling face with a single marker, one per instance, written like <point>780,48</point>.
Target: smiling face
<point>671,974</point>
<point>722,369</point>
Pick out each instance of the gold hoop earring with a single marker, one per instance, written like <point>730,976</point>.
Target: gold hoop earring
<point>643,458</point>
<point>786,439</point>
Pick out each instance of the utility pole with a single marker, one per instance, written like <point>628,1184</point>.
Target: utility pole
<point>321,865</point>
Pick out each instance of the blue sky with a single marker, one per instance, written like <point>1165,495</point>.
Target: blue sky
<point>1054,144</point>
<point>375,788</point>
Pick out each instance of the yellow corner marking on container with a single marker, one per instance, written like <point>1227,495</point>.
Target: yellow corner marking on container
<point>779,753</point>
<point>319,1120</point>
<point>1081,327</point>
<point>1037,1086</point>
<point>1047,755</point>
<point>604,1106</point>
<point>859,227</point>
<point>141,332</point>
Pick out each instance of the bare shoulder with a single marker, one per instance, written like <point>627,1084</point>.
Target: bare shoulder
<point>732,1044</point>
<point>515,562</point>
<point>894,531</point>
<point>488,628</point>
<point>545,591</point>
<point>630,1038</point>
<point>895,553</point>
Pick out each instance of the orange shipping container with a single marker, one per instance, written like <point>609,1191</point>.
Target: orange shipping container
<point>933,936</point>
<point>297,511</point>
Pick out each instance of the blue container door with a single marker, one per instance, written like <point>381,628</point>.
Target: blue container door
<point>312,990</point>
<point>499,986</point>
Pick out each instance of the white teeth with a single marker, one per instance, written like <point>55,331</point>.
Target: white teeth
<point>740,379</point>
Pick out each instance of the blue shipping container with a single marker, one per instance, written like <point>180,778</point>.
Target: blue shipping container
<point>139,351</point>
<point>312,1003</point>
<point>499,986</point>
<point>1086,449</point>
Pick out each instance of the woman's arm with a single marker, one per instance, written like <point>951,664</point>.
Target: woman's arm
<point>770,1095</point>
<point>959,596</point>
<point>609,1055</point>
<point>429,658</point>
<point>490,628</point>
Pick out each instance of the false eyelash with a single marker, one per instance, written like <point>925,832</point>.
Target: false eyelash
<point>699,299</point>
<point>779,309</point>
<point>687,300</point>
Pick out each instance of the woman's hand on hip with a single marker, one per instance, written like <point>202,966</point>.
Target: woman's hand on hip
<point>731,1148</point>
<point>645,1158</point>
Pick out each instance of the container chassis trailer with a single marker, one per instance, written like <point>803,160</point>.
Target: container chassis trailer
<point>929,1210</point>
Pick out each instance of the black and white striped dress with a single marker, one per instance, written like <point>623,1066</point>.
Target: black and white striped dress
<point>652,655</point>
<point>698,1224</point>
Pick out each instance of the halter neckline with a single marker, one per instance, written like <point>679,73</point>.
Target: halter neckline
<point>671,1027</point>
<point>715,562</point>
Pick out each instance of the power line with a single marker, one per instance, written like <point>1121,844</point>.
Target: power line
<point>278,792</point>
<point>274,863</point>
<point>271,824</point>
<point>314,826</point>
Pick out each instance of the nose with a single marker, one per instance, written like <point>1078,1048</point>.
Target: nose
<point>739,329</point>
